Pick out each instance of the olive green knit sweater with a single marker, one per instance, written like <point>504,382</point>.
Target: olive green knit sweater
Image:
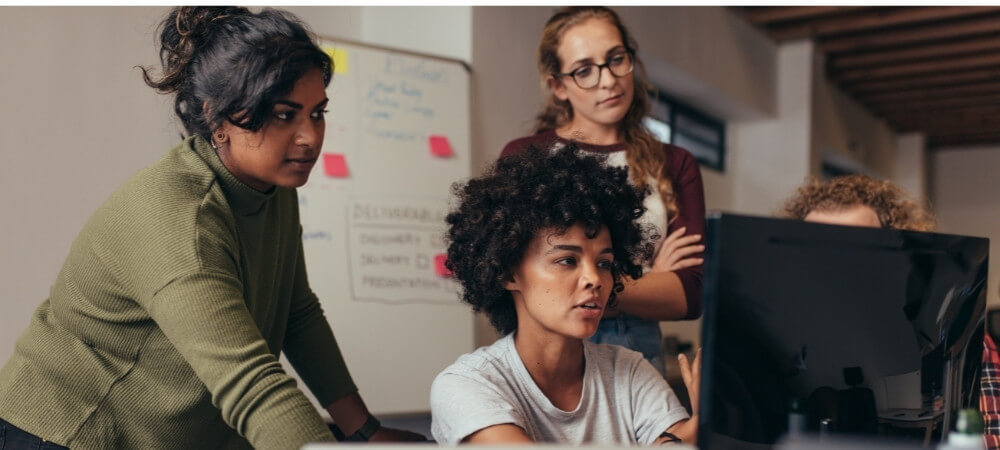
<point>164,326</point>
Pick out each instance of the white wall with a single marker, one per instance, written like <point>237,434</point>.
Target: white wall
<point>707,56</point>
<point>438,30</point>
<point>506,91</point>
<point>76,120</point>
<point>911,164</point>
<point>771,157</point>
<point>846,132</point>
<point>966,199</point>
<point>434,30</point>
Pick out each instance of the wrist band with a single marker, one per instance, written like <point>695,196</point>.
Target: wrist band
<point>366,431</point>
<point>671,438</point>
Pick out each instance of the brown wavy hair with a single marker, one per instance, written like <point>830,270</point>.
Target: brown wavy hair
<point>643,151</point>
<point>893,206</point>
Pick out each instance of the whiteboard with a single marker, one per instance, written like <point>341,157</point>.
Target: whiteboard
<point>397,137</point>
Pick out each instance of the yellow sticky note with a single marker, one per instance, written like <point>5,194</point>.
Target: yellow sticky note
<point>339,58</point>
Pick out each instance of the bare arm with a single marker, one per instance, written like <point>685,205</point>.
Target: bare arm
<point>687,430</point>
<point>499,434</point>
<point>655,296</point>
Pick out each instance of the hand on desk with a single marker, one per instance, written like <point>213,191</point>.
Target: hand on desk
<point>351,413</point>
<point>385,434</point>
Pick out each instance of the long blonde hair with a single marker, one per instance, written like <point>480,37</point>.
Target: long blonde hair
<point>642,150</point>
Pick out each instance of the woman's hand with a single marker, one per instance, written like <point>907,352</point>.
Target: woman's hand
<point>687,430</point>
<point>385,434</point>
<point>691,373</point>
<point>350,414</point>
<point>676,252</point>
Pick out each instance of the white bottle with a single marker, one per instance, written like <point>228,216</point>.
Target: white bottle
<point>968,433</point>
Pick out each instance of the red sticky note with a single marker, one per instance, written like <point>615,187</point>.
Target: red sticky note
<point>439,267</point>
<point>334,165</point>
<point>440,146</point>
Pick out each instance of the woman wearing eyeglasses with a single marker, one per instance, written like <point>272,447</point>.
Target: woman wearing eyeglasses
<point>597,98</point>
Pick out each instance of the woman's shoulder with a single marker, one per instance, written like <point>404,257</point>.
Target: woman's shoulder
<point>159,191</point>
<point>484,360</point>
<point>544,139</point>
<point>679,159</point>
<point>485,368</point>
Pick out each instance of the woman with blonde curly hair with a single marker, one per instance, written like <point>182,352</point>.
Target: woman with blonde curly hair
<point>858,200</point>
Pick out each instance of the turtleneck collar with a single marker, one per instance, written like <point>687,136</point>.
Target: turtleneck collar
<point>244,199</point>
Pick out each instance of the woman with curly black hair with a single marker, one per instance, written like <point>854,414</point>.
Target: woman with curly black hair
<point>541,244</point>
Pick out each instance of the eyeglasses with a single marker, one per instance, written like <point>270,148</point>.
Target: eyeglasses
<point>589,76</point>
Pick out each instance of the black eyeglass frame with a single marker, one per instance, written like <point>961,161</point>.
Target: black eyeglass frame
<point>600,70</point>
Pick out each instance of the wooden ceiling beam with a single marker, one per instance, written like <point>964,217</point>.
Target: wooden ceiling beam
<point>920,68</point>
<point>923,82</point>
<point>872,19</point>
<point>944,133</point>
<point>985,43</point>
<point>976,116</point>
<point>915,95</point>
<point>969,140</point>
<point>938,148</point>
<point>764,15</point>
<point>895,38</point>
<point>944,120</point>
<point>946,128</point>
<point>938,105</point>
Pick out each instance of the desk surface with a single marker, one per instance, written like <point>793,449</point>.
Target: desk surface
<point>417,446</point>
<point>909,415</point>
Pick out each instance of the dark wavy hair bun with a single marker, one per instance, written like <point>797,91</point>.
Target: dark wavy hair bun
<point>227,63</point>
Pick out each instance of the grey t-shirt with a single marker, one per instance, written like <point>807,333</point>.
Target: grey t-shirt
<point>625,400</point>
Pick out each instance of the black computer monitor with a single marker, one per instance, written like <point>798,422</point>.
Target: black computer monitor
<point>852,330</point>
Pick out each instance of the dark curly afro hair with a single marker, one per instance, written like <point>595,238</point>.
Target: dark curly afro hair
<point>500,212</point>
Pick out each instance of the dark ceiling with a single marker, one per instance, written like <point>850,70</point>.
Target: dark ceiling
<point>930,69</point>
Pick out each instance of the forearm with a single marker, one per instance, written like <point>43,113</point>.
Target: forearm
<point>349,413</point>
<point>499,434</point>
<point>313,350</point>
<point>655,296</point>
<point>204,316</point>
<point>686,430</point>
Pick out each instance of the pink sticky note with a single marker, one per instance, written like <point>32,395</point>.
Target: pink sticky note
<point>439,267</point>
<point>440,146</point>
<point>335,166</point>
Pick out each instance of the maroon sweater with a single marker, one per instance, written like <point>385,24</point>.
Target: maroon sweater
<point>690,196</point>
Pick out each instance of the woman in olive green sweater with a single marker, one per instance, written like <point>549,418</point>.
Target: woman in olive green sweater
<point>164,326</point>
